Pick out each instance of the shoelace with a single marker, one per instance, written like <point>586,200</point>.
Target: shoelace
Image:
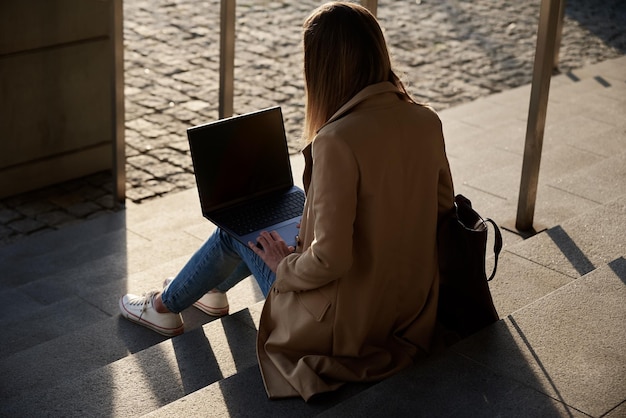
<point>144,300</point>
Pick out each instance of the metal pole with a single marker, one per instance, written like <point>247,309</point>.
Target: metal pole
<point>559,33</point>
<point>227,58</point>
<point>544,59</point>
<point>117,103</point>
<point>371,5</point>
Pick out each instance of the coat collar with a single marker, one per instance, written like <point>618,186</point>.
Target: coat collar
<point>367,92</point>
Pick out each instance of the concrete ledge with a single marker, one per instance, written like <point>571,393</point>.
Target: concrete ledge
<point>554,358</point>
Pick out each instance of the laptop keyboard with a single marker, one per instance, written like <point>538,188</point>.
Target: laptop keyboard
<point>264,212</point>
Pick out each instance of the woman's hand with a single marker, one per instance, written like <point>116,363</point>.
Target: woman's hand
<point>273,250</point>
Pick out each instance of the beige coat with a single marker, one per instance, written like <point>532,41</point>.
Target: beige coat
<point>357,300</point>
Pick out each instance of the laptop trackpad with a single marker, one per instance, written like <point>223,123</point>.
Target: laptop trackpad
<point>288,233</point>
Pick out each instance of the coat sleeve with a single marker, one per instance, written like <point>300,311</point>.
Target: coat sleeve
<point>445,190</point>
<point>335,179</point>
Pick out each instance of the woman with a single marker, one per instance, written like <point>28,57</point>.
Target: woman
<point>357,299</point>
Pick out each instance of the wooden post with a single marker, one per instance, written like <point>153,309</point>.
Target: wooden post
<point>544,60</point>
<point>371,5</point>
<point>227,58</point>
<point>117,99</point>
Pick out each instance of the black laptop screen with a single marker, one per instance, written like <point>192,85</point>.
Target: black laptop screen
<point>241,157</point>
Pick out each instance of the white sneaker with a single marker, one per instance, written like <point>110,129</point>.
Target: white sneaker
<point>214,303</point>
<point>140,310</point>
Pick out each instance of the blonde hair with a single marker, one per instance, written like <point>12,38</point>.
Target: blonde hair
<point>344,52</point>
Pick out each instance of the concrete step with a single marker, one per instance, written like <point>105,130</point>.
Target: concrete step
<point>461,380</point>
<point>72,286</point>
<point>531,269</point>
<point>76,299</point>
<point>519,284</point>
<point>121,369</point>
<point>562,355</point>
<point>48,253</point>
<point>583,140</point>
<point>111,340</point>
<point>243,395</point>
<point>59,281</point>
<point>66,353</point>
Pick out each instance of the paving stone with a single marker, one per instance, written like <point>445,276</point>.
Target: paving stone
<point>7,235</point>
<point>8,215</point>
<point>27,226</point>
<point>57,217</point>
<point>83,209</point>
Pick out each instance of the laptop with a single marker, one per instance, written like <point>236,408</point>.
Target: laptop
<point>244,178</point>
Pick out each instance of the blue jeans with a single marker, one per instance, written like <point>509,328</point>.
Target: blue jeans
<point>220,264</point>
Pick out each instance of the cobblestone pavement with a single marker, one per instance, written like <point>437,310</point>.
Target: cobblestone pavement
<point>448,52</point>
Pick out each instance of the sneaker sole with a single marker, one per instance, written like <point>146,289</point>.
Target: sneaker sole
<point>168,332</point>
<point>209,310</point>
